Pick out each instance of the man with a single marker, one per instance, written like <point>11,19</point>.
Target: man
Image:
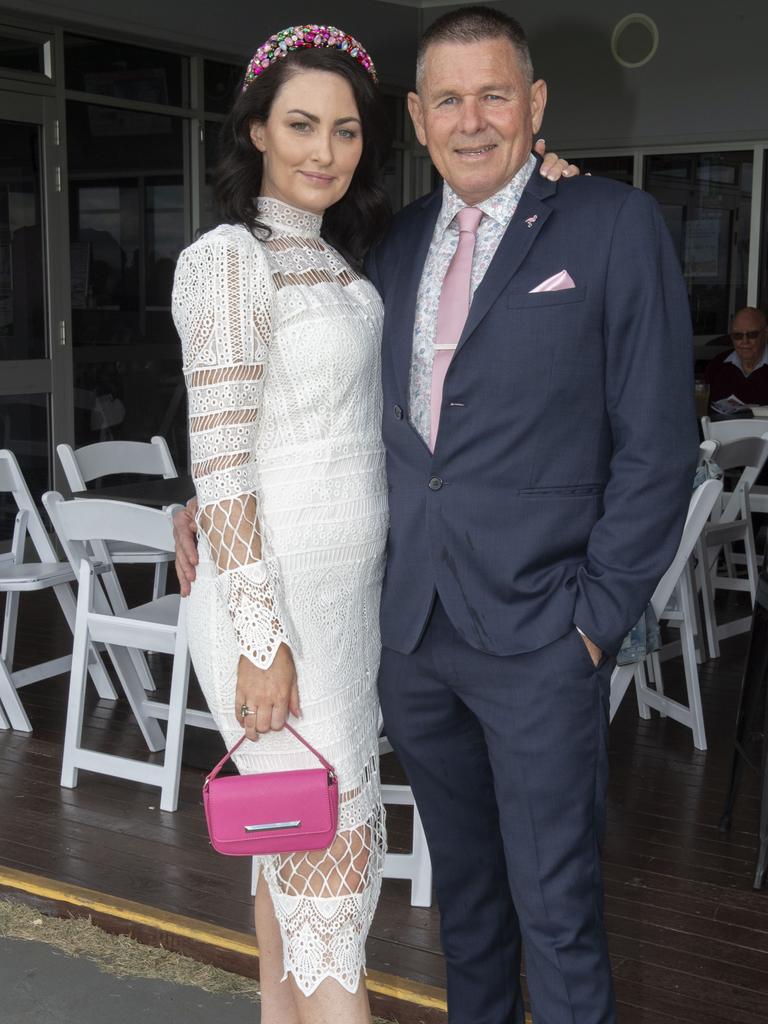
<point>743,372</point>
<point>540,451</point>
<point>544,492</point>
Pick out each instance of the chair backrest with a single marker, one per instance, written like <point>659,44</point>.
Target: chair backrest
<point>105,458</point>
<point>701,504</point>
<point>726,431</point>
<point>12,481</point>
<point>749,455</point>
<point>746,452</point>
<point>83,525</point>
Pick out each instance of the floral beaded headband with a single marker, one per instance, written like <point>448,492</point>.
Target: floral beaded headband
<point>303,37</point>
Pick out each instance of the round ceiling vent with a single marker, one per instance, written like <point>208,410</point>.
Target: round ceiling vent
<point>635,40</point>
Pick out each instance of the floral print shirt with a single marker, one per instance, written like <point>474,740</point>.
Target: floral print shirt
<point>498,210</point>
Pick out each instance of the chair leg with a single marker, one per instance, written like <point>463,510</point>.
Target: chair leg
<point>647,672</point>
<point>751,558</point>
<point>698,625</point>
<point>96,667</point>
<point>161,580</point>
<point>119,606</point>
<point>658,682</point>
<point>640,681</point>
<point>98,673</point>
<point>10,619</point>
<point>730,565</point>
<point>134,691</point>
<point>421,884</point>
<point>691,668</point>
<point>141,668</point>
<point>11,702</point>
<point>129,679</point>
<point>73,732</point>
<point>708,601</point>
<point>658,677</point>
<point>620,680</point>
<point>4,723</point>
<point>177,706</point>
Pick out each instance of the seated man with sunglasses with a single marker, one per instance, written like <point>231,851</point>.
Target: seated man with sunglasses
<point>743,372</point>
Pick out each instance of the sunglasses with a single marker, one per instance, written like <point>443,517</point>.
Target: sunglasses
<point>749,335</point>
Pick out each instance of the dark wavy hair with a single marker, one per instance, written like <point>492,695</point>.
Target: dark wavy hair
<point>358,219</point>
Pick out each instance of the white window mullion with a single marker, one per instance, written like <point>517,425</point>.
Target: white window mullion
<point>755,225</point>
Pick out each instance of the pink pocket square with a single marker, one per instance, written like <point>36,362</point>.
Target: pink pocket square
<point>556,283</point>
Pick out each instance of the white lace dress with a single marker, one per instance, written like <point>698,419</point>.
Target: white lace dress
<point>281,357</point>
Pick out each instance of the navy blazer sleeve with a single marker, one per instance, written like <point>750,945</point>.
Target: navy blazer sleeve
<point>649,399</point>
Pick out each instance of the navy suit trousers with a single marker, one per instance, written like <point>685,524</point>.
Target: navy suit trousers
<point>508,761</point>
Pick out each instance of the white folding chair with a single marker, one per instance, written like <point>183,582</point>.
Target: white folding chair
<point>158,625</point>
<point>674,600</point>
<point>415,866</point>
<point>730,522</point>
<point>83,465</point>
<point>99,460</point>
<point>725,431</point>
<point>18,576</point>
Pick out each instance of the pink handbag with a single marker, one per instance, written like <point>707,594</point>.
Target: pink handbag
<point>273,812</point>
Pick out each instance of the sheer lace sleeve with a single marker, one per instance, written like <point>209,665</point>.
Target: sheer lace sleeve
<point>222,308</point>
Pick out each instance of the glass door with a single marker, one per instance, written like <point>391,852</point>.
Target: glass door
<point>706,200</point>
<point>35,364</point>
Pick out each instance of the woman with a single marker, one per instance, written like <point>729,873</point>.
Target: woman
<point>281,355</point>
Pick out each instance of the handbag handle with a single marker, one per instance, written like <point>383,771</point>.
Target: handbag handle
<point>212,775</point>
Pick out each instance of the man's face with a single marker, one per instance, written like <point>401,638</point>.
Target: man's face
<point>476,114</point>
<point>749,335</point>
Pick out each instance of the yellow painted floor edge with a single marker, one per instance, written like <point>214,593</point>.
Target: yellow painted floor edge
<point>391,985</point>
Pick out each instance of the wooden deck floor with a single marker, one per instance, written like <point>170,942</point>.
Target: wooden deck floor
<point>688,934</point>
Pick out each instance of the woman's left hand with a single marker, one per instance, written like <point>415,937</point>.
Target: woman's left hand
<point>552,165</point>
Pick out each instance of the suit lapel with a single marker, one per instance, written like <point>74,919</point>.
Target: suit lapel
<point>401,299</point>
<point>528,220</point>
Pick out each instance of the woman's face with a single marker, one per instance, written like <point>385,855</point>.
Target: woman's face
<point>311,142</point>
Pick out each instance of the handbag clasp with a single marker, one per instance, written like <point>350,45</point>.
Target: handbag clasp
<point>272,825</point>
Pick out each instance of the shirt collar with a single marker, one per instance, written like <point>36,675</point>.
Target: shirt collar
<point>735,358</point>
<point>499,207</point>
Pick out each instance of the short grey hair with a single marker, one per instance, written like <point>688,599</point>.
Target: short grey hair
<point>472,25</point>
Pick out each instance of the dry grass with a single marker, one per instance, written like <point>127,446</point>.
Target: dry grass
<point>119,954</point>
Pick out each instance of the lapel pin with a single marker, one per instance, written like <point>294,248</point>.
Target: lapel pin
<point>530,221</point>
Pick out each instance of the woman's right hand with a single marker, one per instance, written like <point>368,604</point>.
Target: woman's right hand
<point>270,692</point>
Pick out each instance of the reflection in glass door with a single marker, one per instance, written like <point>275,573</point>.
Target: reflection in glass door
<point>127,227</point>
<point>706,200</point>
<point>22,284</point>
<point>29,398</point>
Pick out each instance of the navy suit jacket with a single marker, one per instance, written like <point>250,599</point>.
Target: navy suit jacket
<point>562,472</point>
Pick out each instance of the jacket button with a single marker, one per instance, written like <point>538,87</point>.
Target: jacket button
<point>435,483</point>
<point>398,412</point>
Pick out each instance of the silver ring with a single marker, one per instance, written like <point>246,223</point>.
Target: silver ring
<point>245,710</point>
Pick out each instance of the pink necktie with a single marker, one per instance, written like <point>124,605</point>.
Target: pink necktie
<point>452,309</point>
